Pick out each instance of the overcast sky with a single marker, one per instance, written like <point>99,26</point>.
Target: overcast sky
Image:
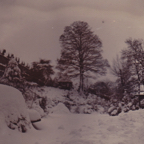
<point>31,28</point>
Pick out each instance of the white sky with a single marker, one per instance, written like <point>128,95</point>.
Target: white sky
<point>31,28</point>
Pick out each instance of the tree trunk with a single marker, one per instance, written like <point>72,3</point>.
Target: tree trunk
<point>138,76</point>
<point>81,80</point>
<point>139,88</point>
<point>122,83</point>
<point>81,65</point>
<point>80,86</point>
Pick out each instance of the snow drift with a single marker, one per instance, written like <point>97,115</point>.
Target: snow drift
<point>13,110</point>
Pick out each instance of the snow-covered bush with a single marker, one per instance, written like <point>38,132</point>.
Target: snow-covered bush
<point>125,105</point>
<point>35,99</point>
<point>12,75</point>
<point>85,104</point>
<point>12,70</point>
<point>13,108</point>
<point>43,103</point>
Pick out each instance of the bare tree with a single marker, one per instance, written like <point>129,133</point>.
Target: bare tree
<point>134,54</point>
<point>122,70</point>
<point>81,52</point>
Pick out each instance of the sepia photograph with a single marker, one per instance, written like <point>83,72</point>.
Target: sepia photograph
<point>71,72</point>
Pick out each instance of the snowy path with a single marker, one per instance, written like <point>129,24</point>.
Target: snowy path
<point>127,128</point>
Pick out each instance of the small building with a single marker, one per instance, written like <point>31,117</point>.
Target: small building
<point>65,83</point>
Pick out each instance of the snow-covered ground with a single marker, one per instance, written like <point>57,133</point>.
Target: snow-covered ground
<point>52,93</point>
<point>63,127</point>
<point>127,128</point>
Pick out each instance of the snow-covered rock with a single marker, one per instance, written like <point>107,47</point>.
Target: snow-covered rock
<point>36,107</point>
<point>100,109</point>
<point>111,109</point>
<point>13,108</point>
<point>34,115</point>
<point>120,104</point>
<point>87,111</point>
<point>114,112</point>
<point>133,107</point>
<point>73,109</point>
<point>142,102</point>
<point>60,109</point>
<point>129,104</point>
<point>126,109</point>
<point>81,109</point>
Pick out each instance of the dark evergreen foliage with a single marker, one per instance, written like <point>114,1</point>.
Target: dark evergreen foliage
<point>41,72</point>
